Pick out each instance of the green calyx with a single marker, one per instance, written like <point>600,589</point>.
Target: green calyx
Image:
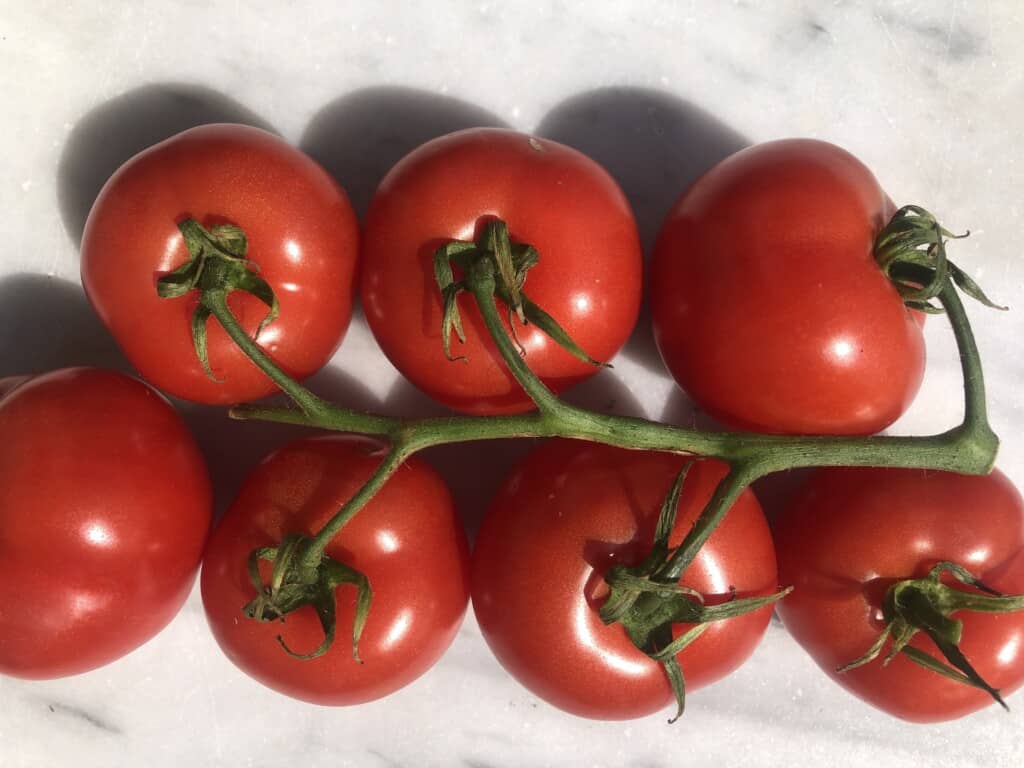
<point>648,600</point>
<point>494,256</point>
<point>216,267</point>
<point>912,245</point>
<point>301,577</point>
<point>925,605</point>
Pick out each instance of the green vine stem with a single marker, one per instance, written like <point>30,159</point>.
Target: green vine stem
<point>968,448</point>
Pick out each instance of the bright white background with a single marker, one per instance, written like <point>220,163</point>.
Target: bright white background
<point>930,95</point>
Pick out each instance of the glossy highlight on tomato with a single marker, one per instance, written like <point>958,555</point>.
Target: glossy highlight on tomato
<point>567,513</point>
<point>768,306</point>
<point>105,505</point>
<point>302,235</point>
<point>552,197</point>
<point>852,532</point>
<point>407,540</point>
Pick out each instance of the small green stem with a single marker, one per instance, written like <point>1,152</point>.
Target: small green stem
<point>975,410</point>
<point>313,406</point>
<point>392,461</point>
<point>482,284</point>
<point>728,490</point>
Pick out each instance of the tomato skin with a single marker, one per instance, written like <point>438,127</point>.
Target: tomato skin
<point>768,307</point>
<point>850,533</point>
<point>566,514</point>
<point>105,505</point>
<point>302,234</point>
<point>408,541</point>
<point>552,197</point>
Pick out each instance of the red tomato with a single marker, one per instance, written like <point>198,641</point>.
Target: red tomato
<point>553,198</point>
<point>408,542</point>
<point>105,505</point>
<point>565,515</point>
<point>302,235</point>
<point>768,306</point>
<point>851,533</point>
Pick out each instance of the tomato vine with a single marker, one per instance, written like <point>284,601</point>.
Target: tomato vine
<point>489,276</point>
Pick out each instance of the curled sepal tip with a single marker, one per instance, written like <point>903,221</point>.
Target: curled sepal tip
<point>925,605</point>
<point>914,243</point>
<point>300,578</point>
<point>648,601</point>
<point>508,264</point>
<point>216,267</point>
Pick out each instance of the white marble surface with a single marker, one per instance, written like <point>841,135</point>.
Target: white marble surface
<point>930,95</point>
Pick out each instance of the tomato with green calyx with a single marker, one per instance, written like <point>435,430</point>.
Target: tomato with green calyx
<point>105,505</point>
<point>552,198</point>
<point>565,517</point>
<point>407,545</point>
<point>877,557</point>
<point>264,218</point>
<point>768,305</point>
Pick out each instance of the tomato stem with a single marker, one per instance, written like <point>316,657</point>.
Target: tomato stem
<point>482,283</point>
<point>391,462</point>
<point>969,448</point>
<point>312,406</point>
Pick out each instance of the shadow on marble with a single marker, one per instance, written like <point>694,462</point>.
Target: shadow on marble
<point>475,470</point>
<point>683,412</point>
<point>777,491</point>
<point>358,137</point>
<point>48,324</point>
<point>655,145</point>
<point>116,130</point>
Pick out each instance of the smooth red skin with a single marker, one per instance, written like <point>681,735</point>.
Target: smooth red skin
<point>566,514</point>
<point>761,272</point>
<point>105,505</point>
<point>407,540</point>
<point>552,197</point>
<point>302,234</point>
<point>851,532</point>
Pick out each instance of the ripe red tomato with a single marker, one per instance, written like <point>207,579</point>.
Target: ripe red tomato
<point>407,540</point>
<point>105,505</point>
<point>851,533</point>
<point>302,235</point>
<point>566,514</point>
<point>768,306</point>
<point>553,198</point>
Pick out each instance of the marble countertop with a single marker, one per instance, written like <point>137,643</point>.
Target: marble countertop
<point>930,95</point>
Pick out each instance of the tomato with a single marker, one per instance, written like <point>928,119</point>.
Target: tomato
<point>105,505</point>
<point>407,540</point>
<point>851,533</point>
<point>564,516</point>
<point>768,307</point>
<point>302,235</point>
<point>552,197</point>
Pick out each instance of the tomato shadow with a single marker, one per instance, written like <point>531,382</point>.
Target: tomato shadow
<point>232,448</point>
<point>116,130</point>
<point>358,137</point>
<point>681,410</point>
<point>47,324</point>
<point>655,145</point>
<point>474,471</point>
<point>776,491</point>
